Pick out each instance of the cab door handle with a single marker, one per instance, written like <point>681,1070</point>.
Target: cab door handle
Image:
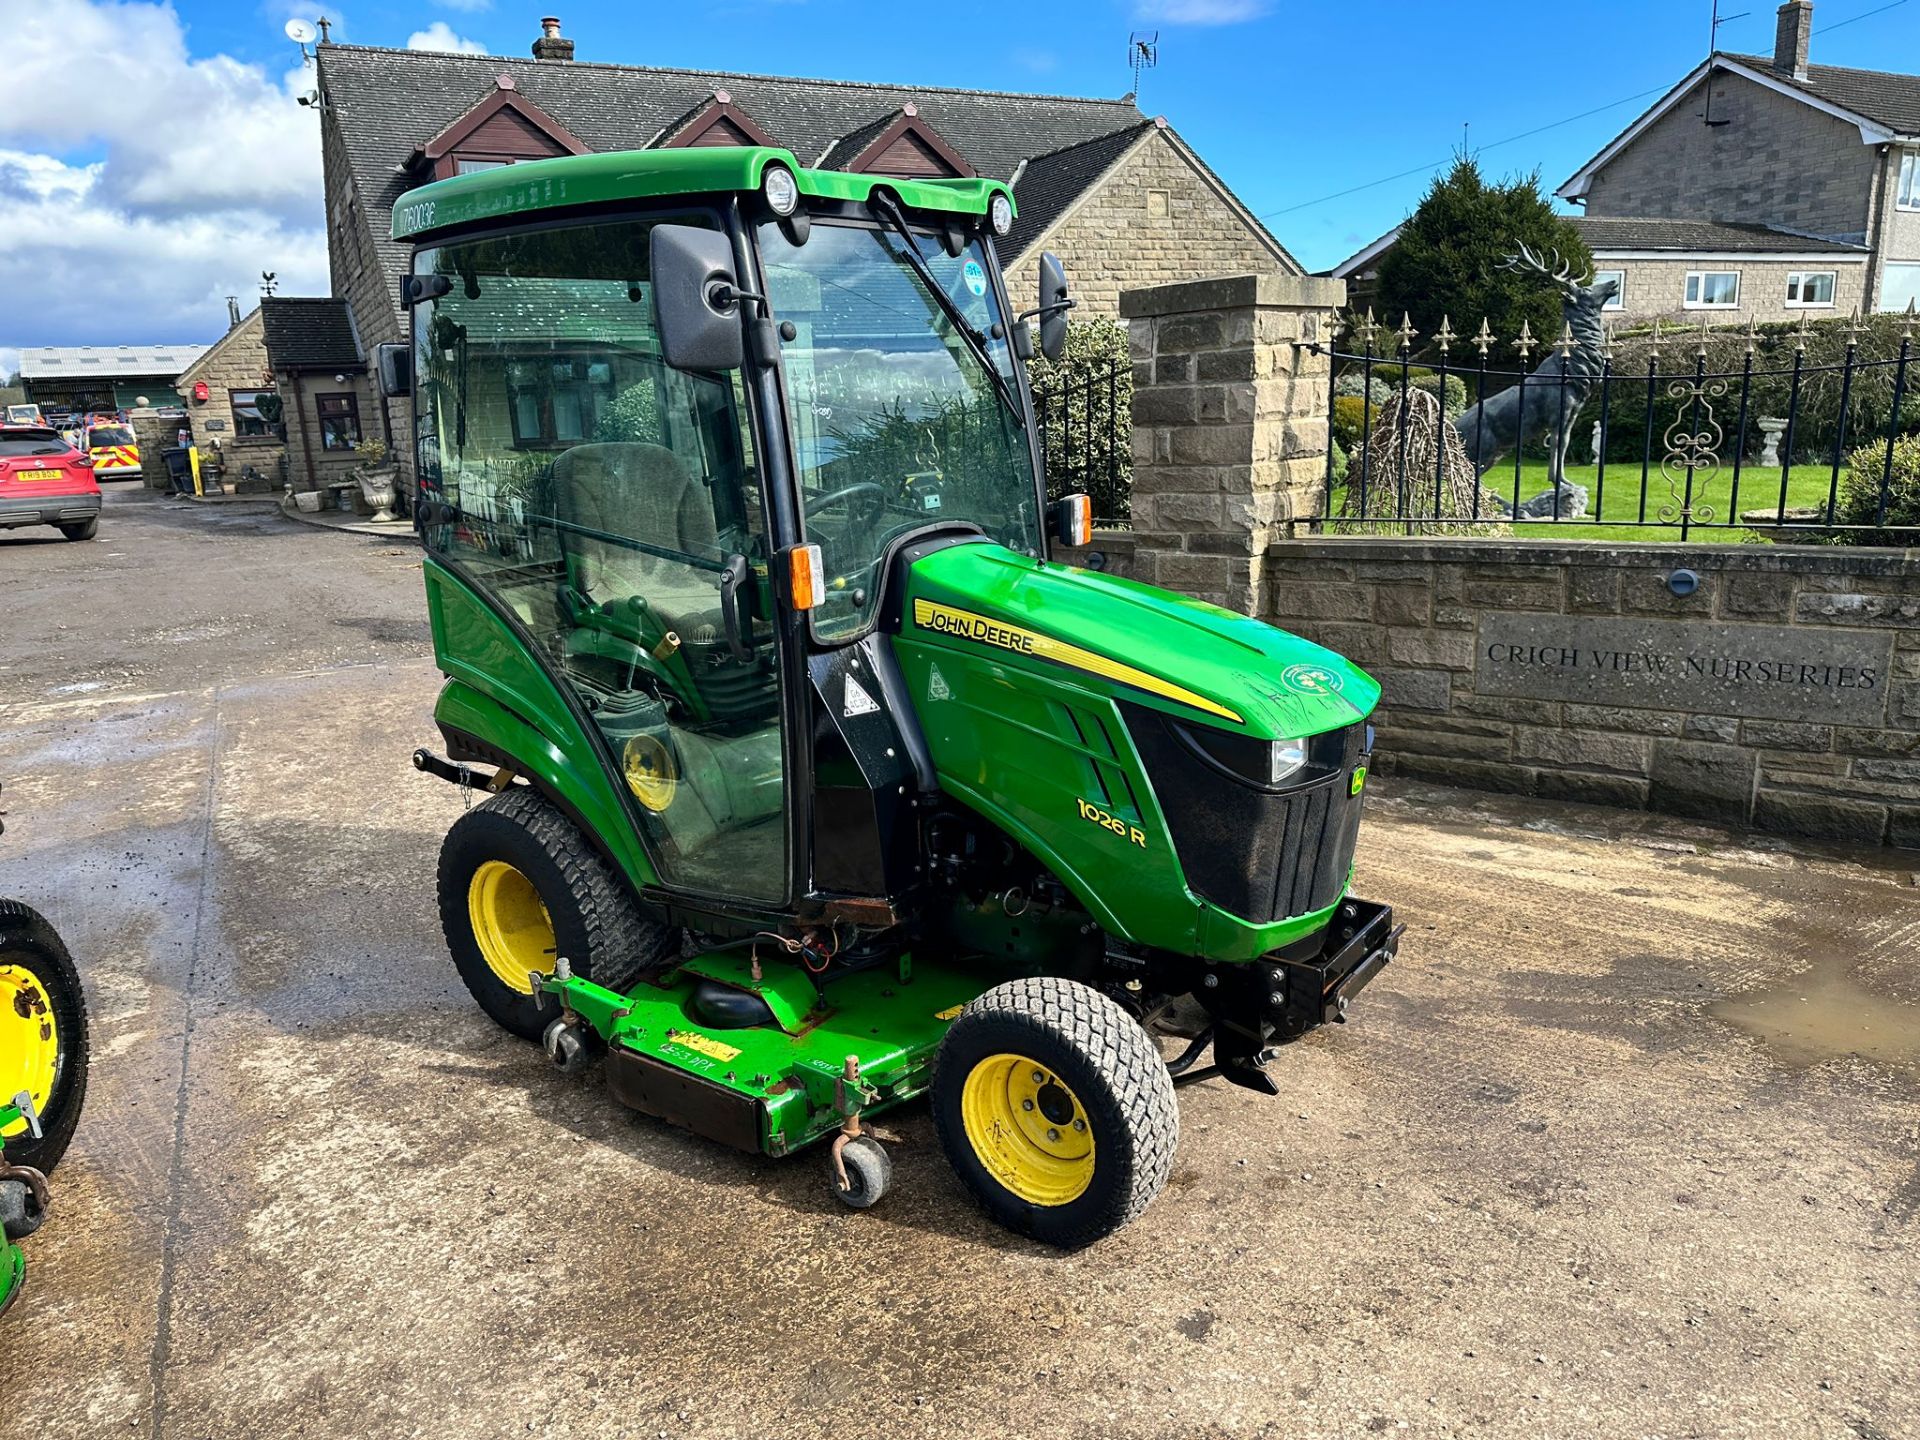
<point>733,581</point>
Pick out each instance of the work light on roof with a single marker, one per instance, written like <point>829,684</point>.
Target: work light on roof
<point>781,189</point>
<point>1000,213</point>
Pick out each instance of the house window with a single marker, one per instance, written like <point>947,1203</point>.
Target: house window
<point>1899,287</point>
<point>1810,288</point>
<point>339,421</point>
<point>1909,196</point>
<point>249,415</point>
<point>1619,278</point>
<point>556,402</point>
<point>474,164</point>
<point>1713,289</point>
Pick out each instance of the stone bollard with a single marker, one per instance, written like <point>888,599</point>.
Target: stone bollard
<point>1230,428</point>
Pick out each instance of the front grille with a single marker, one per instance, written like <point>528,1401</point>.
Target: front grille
<point>1261,856</point>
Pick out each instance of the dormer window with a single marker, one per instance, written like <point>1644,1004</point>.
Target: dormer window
<point>504,128</point>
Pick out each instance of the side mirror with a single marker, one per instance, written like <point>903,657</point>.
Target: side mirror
<point>1054,305</point>
<point>696,304</point>
<point>396,369</point>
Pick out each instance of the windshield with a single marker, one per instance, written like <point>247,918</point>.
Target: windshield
<point>897,423</point>
<point>110,435</point>
<point>31,442</point>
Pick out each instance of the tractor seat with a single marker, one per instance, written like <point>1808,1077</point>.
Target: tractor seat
<point>642,490</point>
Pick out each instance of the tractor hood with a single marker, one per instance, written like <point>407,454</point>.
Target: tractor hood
<point>1188,658</point>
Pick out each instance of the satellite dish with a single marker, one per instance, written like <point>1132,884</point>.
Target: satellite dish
<point>301,32</point>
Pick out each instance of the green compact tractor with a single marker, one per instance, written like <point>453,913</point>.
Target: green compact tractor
<point>812,784</point>
<point>43,1076</point>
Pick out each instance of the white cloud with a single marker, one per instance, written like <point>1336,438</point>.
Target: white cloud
<point>1200,12</point>
<point>441,36</point>
<point>129,218</point>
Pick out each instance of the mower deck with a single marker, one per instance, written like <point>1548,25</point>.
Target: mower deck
<point>773,1087</point>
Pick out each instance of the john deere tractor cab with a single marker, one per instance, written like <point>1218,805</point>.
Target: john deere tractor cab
<point>814,784</point>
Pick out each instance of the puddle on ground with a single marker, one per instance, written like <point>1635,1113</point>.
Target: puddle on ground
<point>1825,1013</point>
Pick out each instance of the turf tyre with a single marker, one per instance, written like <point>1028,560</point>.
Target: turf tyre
<point>30,943</point>
<point>1111,1065</point>
<point>597,923</point>
<point>81,530</point>
<point>869,1173</point>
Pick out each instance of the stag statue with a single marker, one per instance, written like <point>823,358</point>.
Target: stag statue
<point>1553,393</point>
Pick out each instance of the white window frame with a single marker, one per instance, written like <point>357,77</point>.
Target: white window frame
<point>1800,277</point>
<point>1699,288</point>
<point>1907,194</point>
<point>1619,300</point>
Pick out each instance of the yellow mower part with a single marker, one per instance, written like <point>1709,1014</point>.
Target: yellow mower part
<point>29,1042</point>
<point>510,924</point>
<point>1029,1130</point>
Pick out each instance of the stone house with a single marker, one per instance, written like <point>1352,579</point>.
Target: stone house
<point>326,394</point>
<point>1762,187</point>
<point>239,440</point>
<point>1118,195</point>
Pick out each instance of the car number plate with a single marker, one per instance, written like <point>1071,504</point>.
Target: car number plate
<point>37,474</point>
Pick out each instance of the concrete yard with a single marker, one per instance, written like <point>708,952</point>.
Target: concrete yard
<point>1626,1144</point>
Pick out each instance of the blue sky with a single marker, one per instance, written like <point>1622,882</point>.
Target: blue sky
<point>133,216</point>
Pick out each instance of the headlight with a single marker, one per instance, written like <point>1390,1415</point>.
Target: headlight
<point>1263,764</point>
<point>1000,213</point>
<point>781,189</point>
<point>1287,757</point>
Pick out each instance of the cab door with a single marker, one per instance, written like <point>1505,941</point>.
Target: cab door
<point>611,505</point>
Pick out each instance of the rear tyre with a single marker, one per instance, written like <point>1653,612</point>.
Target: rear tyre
<point>1055,1110</point>
<point>519,887</point>
<point>82,529</point>
<point>43,1036</point>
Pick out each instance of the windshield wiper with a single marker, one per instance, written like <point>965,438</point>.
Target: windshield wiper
<point>884,207</point>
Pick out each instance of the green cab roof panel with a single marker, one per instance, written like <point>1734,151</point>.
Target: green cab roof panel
<point>572,180</point>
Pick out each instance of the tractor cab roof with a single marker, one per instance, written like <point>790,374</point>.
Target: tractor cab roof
<point>528,190</point>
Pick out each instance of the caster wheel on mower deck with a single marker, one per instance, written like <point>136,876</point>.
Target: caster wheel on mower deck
<point>1055,1109</point>
<point>869,1173</point>
<point>43,1036</point>
<point>519,887</point>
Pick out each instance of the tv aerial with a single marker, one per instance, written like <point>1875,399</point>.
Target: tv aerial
<point>1143,53</point>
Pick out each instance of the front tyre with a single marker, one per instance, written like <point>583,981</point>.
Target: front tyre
<point>1055,1109</point>
<point>43,1036</point>
<point>520,886</point>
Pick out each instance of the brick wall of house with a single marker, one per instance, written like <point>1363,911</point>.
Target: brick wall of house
<point>237,362</point>
<point>1897,231</point>
<point>359,279</point>
<point>309,465</point>
<point>1658,287</point>
<point>1154,220</point>
<point>1777,161</point>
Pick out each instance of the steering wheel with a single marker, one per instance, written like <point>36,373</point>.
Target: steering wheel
<point>846,495</point>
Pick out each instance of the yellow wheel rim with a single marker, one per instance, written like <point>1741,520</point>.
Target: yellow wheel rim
<point>648,765</point>
<point>510,924</point>
<point>1028,1128</point>
<point>29,1042</point>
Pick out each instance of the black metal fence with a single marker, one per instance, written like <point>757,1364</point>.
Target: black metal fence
<point>1086,435</point>
<point>1808,433</point>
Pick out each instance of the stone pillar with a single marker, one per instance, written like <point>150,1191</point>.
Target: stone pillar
<point>1229,426</point>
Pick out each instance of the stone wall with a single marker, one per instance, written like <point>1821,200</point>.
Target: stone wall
<point>361,280</point>
<point>1156,219</point>
<point>238,361</point>
<point>1783,692</point>
<point>1776,161</point>
<point>309,464</point>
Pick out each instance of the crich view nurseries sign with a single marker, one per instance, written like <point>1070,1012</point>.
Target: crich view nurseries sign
<point>1771,672</point>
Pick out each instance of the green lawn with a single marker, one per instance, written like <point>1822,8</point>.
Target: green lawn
<point>1618,504</point>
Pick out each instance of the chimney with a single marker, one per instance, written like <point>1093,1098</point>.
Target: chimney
<point>233,311</point>
<point>1790,35</point>
<point>550,46</point>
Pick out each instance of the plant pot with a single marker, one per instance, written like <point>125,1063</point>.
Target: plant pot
<point>307,502</point>
<point>377,484</point>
